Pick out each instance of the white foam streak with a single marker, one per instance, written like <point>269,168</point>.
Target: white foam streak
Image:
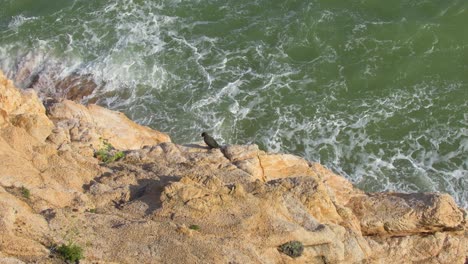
<point>18,21</point>
<point>184,74</point>
<point>230,90</point>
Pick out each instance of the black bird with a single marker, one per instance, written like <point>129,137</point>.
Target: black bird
<point>211,142</point>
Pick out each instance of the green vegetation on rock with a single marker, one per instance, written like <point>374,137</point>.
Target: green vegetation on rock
<point>25,192</point>
<point>108,154</point>
<point>293,249</point>
<point>195,227</point>
<point>70,252</point>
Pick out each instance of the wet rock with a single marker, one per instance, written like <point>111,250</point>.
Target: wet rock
<point>75,87</point>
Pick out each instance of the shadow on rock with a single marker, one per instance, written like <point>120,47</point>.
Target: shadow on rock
<point>147,194</point>
<point>196,146</point>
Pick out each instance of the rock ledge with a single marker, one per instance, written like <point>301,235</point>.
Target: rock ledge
<point>144,207</point>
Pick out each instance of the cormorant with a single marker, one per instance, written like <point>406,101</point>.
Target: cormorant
<point>211,142</point>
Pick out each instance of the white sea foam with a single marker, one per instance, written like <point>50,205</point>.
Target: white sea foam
<point>18,21</point>
<point>184,73</point>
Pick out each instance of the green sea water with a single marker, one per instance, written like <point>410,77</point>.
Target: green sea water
<point>375,90</point>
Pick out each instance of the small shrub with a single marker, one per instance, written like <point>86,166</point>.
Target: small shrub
<point>106,145</point>
<point>25,192</point>
<point>293,249</point>
<point>102,155</point>
<point>70,252</point>
<point>116,156</point>
<point>195,227</point>
<point>105,155</point>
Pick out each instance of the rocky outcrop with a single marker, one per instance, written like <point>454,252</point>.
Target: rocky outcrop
<point>23,110</point>
<point>168,203</point>
<point>46,76</point>
<point>91,124</point>
<point>400,214</point>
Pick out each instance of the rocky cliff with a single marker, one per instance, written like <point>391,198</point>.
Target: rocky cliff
<point>88,176</point>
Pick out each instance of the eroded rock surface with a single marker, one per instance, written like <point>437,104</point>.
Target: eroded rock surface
<point>169,203</point>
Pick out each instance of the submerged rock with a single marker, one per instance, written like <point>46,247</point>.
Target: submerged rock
<point>75,87</point>
<point>37,71</point>
<point>245,202</point>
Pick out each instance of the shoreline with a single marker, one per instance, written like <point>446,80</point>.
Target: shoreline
<point>413,171</point>
<point>140,207</point>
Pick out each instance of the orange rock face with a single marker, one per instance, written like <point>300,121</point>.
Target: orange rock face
<point>23,109</point>
<point>93,124</point>
<point>166,203</point>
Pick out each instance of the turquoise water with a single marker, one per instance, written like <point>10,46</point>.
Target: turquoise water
<point>375,90</point>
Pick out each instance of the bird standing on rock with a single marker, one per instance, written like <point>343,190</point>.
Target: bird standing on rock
<point>211,142</point>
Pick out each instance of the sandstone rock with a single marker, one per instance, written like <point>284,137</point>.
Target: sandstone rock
<point>10,260</point>
<point>405,214</point>
<point>93,123</point>
<point>32,124</point>
<point>311,193</point>
<point>53,178</point>
<point>198,193</point>
<point>10,97</point>
<point>237,153</point>
<point>21,230</point>
<point>430,248</point>
<point>340,189</point>
<point>23,109</point>
<point>265,166</point>
<point>247,159</point>
<point>246,202</point>
<point>284,165</point>
<point>3,117</point>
